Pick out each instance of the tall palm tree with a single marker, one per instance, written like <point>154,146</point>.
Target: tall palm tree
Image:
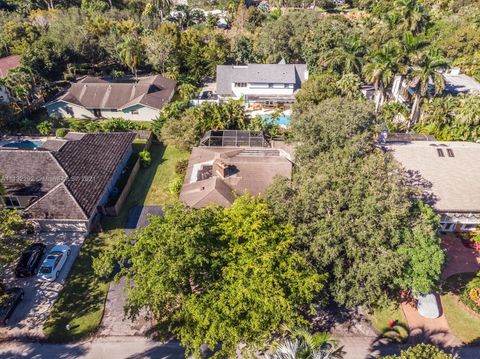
<point>301,344</point>
<point>158,6</point>
<point>381,70</point>
<point>412,13</point>
<point>129,51</point>
<point>411,45</point>
<point>427,73</point>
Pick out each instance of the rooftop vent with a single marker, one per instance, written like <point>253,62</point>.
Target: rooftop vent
<point>450,152</point>
<point>440,152</point>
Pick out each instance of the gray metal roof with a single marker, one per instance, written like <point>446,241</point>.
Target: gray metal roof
<point>259,73</point>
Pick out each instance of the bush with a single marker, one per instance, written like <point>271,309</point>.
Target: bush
<point>181,167</point>
<point>44,128</point>
<point>471,294</point>
<point>422,351</point>
<point>61,132</point>
<point>175,185</point>
<point>145,158</point>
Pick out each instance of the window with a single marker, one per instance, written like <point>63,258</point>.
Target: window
<point>450,152</point>
<point>240,84</point>
<point>270,86</point>
<point>11,201</point>
<point>470,227</point>
<point>97,112</point>
<point>440,152</point>
<point>287,86</point>
<point>134,112</point>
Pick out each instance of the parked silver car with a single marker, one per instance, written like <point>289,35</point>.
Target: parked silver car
<point>53,263</point>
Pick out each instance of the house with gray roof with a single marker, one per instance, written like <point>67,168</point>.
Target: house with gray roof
<point>217,174</point>
<point>449,175</point>
<point>94,97</point>
<point>65,184</point>
<point>266,84</point>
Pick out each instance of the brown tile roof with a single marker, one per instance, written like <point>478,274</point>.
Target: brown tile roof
<point>69,182</point>
<point>252,171</point>
<point>95,93</point>
<point>452,183</point>
<point>90,163</point>
<point>8,63</point>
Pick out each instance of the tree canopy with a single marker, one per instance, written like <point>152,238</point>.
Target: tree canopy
<point>200,271</point>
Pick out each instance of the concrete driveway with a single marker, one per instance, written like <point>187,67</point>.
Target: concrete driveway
<point>28,318</point>
<point>114,322</point>
<point>460,259</point>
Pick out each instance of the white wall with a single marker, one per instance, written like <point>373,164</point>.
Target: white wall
<point>62,109</point>
<point>263,90</point>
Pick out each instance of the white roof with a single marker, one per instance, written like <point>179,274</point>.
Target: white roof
<point>453,183</point>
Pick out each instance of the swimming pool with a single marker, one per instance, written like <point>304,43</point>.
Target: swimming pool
<point>280,120</point>
<point>24,144</point>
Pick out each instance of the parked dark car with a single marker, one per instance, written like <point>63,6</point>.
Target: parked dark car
<point>30,260</point>
<point>8,302</point>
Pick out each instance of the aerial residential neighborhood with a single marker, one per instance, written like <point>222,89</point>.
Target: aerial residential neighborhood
<point>240,178</point>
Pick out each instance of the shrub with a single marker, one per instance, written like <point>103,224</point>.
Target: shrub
<point>145,158</point>
<point>61,132</point>
<point>44,128</point>
<point>175,185</point>
<point>471,294</point>
<point>181,167</point>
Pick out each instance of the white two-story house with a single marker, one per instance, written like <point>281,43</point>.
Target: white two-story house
<point>263,84</point>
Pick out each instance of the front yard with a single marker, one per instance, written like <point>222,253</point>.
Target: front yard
<point>380,321</point>
<point>81,302</point>
<point>464,325</point>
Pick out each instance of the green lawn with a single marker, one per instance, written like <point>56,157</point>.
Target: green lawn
<point>82,299</point>
<point>465,326</point>
<point>381,317</point>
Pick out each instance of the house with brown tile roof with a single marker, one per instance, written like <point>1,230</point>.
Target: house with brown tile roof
<point>94,97</point>
<point>449,175</point>
<point>216,175</point>
<point>65,183</point>
<point>6,64</point>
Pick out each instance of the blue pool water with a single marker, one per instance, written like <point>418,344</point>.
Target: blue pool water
<point>280,120</point>
<point>24,144</point>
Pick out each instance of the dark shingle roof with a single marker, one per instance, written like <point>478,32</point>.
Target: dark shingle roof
<point>69,182</point>
<point>90,163</point>
<point>93,93</point>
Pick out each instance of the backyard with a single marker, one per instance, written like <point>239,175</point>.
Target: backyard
<point>81,302</point>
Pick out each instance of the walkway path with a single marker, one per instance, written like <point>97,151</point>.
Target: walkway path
<point>460,259</point>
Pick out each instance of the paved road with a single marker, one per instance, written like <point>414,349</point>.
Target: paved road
<point>101,348</point>
<point>139,347</point>
<point>28,318</point>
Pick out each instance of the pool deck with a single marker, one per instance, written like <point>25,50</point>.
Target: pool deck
<point>11,139</point>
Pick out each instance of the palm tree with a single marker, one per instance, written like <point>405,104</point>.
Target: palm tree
<point>381,70</point>
<point>158,6</point>
<point>426,73</point>
<point>411,45</point>
<point>301,344</point>
<point>129,51</point>
<point>412,13</point>
<point>349,57</point>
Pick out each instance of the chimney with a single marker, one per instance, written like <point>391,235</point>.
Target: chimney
<point>220,168</point>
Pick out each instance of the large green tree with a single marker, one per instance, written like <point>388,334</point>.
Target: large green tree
<point>13,236</point>
<point>215,276</point>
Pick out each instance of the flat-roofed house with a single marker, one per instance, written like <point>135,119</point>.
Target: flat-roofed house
<point>217,174</point>
<point>65,184</point>
<point>449,173</point>
<point>265,84</point>
<point>93,97</point>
